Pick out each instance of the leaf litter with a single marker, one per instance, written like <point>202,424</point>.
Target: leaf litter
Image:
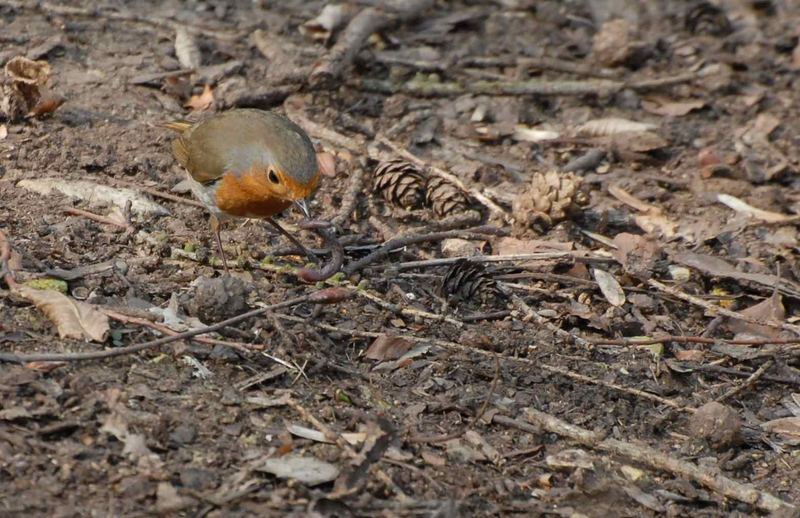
<point>681,203</point>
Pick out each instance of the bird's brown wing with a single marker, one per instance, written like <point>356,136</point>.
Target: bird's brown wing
<point>198,160</point>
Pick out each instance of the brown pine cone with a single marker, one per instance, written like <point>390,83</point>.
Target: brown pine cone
<point>548,199</point>
<point>445,198</point>
<point>706,18</point>
<point>468,281</point>
<point>400,183</point>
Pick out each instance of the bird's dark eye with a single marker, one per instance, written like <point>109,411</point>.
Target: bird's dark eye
<point>273,176</point>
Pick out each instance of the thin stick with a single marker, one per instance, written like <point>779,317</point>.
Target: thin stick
<point>713,480</point>
<point>749,382</point>
<point>128,319</point>
<point>720,310</point>
<point>96,355</point>
<point>400,242</point>
<point>580,256</point>
<point>350,198</point>
<point>96,217</point>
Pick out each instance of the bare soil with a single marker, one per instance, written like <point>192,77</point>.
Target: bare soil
<point>187,429</point>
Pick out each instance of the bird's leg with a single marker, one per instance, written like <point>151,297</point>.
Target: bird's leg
<point>214,222</point>
<point>308,253</point>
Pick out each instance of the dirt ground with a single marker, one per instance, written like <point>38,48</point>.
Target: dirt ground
<point>639,160</point>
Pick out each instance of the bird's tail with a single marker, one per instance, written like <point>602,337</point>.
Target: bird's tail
<point>179,126</point>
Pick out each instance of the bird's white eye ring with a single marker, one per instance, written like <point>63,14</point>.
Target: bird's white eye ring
<point>273,176</point>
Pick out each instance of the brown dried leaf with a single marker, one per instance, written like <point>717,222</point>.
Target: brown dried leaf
<point>201,102</point>
<point>636,254</point>
<point>690,355</point>
<point>3,131</point>
<point>327,163</point>
<point>327,21</point>
<point>387,347</point>
<point>609,286</point>
<point>73,318</point>
<point>612,126</point>
<point>513,246</point>
<point>661,105</point>
<point>768,310</point>
<point>23,70</point>
<point>47,103</point>
<point>186,49</point>
<point>788,427</point>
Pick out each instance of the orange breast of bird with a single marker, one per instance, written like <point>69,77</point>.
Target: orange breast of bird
<point>248,195</point>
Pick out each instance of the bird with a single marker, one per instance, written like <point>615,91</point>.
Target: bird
<point>247,163</point>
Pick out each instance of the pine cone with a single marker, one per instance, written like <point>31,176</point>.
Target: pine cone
<point>466,280</point>
<point>445,198</point>
<point>400,183</point>
<point>706,18</point>
<point>549,199</point>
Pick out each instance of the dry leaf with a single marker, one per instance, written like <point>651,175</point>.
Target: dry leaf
<point>652,220</point>
<point>764,215</point>
<point>47,103</point>
<point>638,141</point>
<point>3,131</point>
<point>73,318</point>
<point>514,246</point>
<point>526,134</point>
<point>690,355</point>
<point>788,427</point>
<point>186,49</point>
<point>768,310</point>
<point>636,254</point>
<point>660,105</point>
<point>609,286</point>
<point>612,126</point>
<point>201,102</point>
<point>387,347</point>
<point>96,193</point>
<point>328,20</point>
<point>327,163</point>
<point>308,470</point>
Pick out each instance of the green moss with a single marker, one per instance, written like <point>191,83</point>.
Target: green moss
<point>48,284</point>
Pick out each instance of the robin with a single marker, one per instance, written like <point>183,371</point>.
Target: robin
<point>247,163</point>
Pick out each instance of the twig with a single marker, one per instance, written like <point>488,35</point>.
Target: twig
<point>554,64</point>
<point>64,10</point>
<point>713,308</point>
<point>128,319</point>
<point>532,364</point>
<point>540,87</point>
<point>350,198</point>
<point>749,382</point>
<point>579,256</point>
<point>409,311</point>
<point>320,131</point>
<point>400,242</point>
<point>367,22</point>
<point>319,297</point>
<point>714,481</point>
<point>343,444</point>
<point>479,196</point>
<point>530,314</point>
<point>96,217</point>
<point>430,439</point>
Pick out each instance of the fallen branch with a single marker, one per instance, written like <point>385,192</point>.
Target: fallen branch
<point>403,241</point>
<point>602,87</point>
<point>647,456</point>
<point>350,198</point>
<point>324,296</point>
<point>97,217</point>
<point>368,21</point>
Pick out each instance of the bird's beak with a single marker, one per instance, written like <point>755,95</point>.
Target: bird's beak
<point>301,204</point>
